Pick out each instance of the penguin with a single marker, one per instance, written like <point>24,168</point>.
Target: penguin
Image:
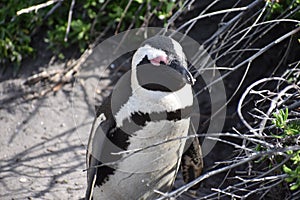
<point>139,133</point>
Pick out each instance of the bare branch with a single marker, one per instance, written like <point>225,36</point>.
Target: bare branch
<point>69,20</point>
<point>35,8</point>
<point>252,156</point>
<point>240,104</point>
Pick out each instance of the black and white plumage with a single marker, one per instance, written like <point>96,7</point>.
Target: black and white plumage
<point>150,105</point>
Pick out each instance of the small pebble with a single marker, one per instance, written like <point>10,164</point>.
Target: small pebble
<point>23,180</point>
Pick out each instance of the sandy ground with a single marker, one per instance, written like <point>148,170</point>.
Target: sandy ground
<point>43,142</point>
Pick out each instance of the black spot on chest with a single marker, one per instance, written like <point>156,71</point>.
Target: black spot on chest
<point>138,120</point>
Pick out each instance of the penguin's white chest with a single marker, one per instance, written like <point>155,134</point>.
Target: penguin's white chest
<point>154,152</point>
<point>151,164</point>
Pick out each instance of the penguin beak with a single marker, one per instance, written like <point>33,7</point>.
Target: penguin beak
<point>183,71</point>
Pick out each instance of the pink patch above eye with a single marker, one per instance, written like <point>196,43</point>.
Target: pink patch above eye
<point>156,61</point>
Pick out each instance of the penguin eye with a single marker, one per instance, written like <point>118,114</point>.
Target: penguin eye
<point>174,63</point>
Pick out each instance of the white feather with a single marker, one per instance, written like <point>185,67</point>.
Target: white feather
<point>148,101</point>
<point>146,50</point>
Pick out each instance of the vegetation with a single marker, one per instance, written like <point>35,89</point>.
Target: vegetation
<point>88,19</point>
<point>289,129</point>
<point>282,7</point>
<point>66,23</point>
<point>15,31</point>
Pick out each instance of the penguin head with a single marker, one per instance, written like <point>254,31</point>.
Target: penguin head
<point>163,60</point>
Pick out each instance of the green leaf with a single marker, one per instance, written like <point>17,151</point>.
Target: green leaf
<point>289,179</point>
<point>61,56</point>
<point>286,169</point>
<point>294,187</point>
<point>258,147</point>
<point>289,152</point>
<point>80,35</point>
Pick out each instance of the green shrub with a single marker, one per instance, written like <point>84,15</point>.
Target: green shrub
<point>15,31</point>
<point>290,129</point>
<point>89,19</point>
<point>279,7</point>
